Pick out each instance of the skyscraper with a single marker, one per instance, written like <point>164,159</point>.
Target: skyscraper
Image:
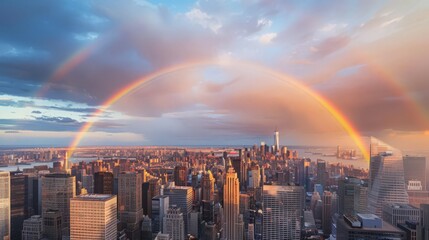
<point>66,165</point>
<point>321,172</point>
<point>387,183</point>
<point>32,228</point>
<point>52,224</point>
<point>395,213</point>
<point>174,224</point>
<point>415,169</point>
<point>18,202</point>
<point>207,184</point>
<point>103,183</point>
<point>4,205</point>
<point>180,176</point>
<point>276,141</point>
<point>57,190</point>
<point>346,194</point>
<point>160,205</point>
<point>181,197</point>
<point>129,202</point>
<point>283,212</point>
<point>231,200</point>
<point>93,216</point>
<point>326,213</point>
<point>423,228</point>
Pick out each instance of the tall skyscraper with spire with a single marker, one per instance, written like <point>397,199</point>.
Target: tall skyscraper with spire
<point>66,163</point>
<point>276,141</point>
<point>387,183</point>
<point>231,201</point>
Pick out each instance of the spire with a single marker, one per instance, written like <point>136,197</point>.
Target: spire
<point>66,163</point>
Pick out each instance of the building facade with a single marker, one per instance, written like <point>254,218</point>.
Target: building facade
<point>4,205</point>
<point>93,216</point>
<point>283,212</point>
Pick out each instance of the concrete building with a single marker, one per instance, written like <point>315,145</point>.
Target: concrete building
<point>395,213</point>
<point>57,190</point>
<point>18,202</point>
<point>366,226</point>
<point>231,201</point>
<point>423,228</point>
<point>415,170</point>
<point>103,183</point>
<point>174,224</point>
<point>180,197</point>
<point>346,194</point>
<point>130,202</point>
<point>52,224</point>
<point>160,205</point>
<point>283,212</point>
<point>33,228</point>
<point>93,216</point>
<point>4,205</point>
<point>180,176</point>
<point>326,213</point>
<point>207,185</point>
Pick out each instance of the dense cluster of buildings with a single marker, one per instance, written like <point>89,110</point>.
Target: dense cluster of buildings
<point>254,193</point>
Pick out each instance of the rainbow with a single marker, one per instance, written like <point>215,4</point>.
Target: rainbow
<point>394,83</point>
<point>330,107</point>
<point>67,66</point>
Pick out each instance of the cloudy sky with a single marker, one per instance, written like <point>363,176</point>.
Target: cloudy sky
<point>60,60</point>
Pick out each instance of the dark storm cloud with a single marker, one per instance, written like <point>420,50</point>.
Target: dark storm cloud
<point>36,112</point>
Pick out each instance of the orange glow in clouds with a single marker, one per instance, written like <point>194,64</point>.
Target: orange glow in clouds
<point>331,108</point>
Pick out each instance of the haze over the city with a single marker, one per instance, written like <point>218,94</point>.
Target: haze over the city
<point>223,72</point>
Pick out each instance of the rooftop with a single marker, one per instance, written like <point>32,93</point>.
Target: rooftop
<point>400,206</point>
<point>95,197</point>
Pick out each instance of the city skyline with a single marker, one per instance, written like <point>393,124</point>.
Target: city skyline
<point>231,71</point>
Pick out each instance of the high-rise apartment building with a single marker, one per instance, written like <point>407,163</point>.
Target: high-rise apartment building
<point>93,216</point>
<point>387,183</point>
<point>231,201</point>
<point>130,202</point>
<point>57,190</point>
<point>4,205</point>
<point>283,212</point>
<point>180,197</point>
<point>174,224</point>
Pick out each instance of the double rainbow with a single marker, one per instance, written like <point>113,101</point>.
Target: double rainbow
<point>330,107</point>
